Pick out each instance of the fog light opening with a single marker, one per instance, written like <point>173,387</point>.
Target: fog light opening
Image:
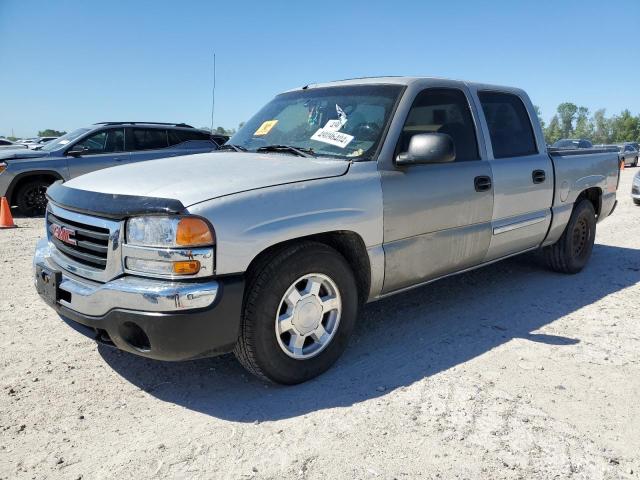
<point>135,336</point>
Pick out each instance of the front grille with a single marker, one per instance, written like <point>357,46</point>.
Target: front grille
<point>91,242</point>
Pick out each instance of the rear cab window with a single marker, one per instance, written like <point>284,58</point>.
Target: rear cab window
<point>509,124</point>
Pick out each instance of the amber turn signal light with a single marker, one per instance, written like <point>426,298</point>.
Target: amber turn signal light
<point>193,232</point>
<point>190,267</point>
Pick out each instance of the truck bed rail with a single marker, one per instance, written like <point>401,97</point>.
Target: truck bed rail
<point>563,152</point>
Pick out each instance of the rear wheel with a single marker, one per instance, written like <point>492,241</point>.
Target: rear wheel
<point>572,251</point>
<point>635,162</point>
<point>300,309</point>
<point>31,197</point>
<point>636,201</point>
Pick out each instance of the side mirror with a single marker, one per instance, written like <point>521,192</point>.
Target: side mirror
<point>77,150</point>
<point>428,148</point>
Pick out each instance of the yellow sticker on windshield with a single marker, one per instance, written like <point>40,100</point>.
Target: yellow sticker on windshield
<point>265,127</point>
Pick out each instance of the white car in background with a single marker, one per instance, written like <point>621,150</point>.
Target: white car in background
<point>27,141</point>
<point>635,189</point>
<point>39,142</point>
<point>8,144</point>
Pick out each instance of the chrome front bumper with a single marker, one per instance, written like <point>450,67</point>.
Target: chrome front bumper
<point>127,292</point>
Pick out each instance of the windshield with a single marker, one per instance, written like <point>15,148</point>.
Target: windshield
<point>345,122</point>
<point>63,140</point>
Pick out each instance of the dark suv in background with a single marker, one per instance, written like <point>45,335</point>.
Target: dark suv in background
<point>26,174</point>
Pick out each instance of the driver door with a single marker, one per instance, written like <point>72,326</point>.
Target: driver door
<point>104,149</point>
<point>437,217</point>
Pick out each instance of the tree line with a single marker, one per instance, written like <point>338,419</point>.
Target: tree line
<point>572,121</point>
<point>569,121</point>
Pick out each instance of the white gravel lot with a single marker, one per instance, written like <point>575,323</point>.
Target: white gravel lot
<point>510,371</point>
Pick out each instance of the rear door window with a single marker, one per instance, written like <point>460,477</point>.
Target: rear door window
<point>509,125</point>
<point>149,138</point>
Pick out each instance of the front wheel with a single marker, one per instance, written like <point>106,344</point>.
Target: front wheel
<point>572,251</point>
<point>300,310</point>
<point>635,162</point>
<point>636,201</point>
<point>31,197</point>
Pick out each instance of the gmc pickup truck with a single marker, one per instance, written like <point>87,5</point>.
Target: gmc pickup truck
<point>331,196</point>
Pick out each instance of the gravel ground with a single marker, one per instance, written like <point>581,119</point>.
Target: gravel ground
<point>510,372</point>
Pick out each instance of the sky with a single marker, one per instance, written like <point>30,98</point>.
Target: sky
<point>70,63</point>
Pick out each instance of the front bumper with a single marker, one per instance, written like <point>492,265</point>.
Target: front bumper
<point>165,320</point>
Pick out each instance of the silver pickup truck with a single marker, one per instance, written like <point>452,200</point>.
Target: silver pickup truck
<point>331,196</point>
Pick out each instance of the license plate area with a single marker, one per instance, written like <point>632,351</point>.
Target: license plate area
<point>48,283</point>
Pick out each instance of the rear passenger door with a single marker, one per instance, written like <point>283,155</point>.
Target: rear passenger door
<point>522,174</point>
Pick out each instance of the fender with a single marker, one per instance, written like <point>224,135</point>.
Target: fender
<point>31,173</point>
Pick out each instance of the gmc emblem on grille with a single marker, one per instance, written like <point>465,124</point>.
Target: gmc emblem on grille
<point>63,234</point>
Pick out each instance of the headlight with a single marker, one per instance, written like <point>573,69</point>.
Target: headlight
<point>3,167</point>
<point>169,232</point>
<point>169,247</point>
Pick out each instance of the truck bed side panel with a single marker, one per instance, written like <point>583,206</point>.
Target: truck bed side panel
<point>576,173</point>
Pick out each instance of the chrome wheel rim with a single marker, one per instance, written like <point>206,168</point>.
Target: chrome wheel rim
<point>308,316</point>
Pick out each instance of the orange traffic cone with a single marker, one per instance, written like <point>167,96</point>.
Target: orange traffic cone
<point>6,220</point>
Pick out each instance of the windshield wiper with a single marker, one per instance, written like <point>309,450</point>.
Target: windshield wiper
<point>235,148</point>
<point>299,151</point>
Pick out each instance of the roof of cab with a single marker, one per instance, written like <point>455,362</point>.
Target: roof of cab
<point>391,80</point>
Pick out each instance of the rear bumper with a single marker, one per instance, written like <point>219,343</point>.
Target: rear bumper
<point>164,320</point>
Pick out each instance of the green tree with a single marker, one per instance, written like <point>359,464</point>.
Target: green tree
<point>221,131</point>
<point>567,112</point>
<point>625,127</point>
<point>584,125</point>
<point>601,127</point>
<point>553,132</point>
<point>50,133</point>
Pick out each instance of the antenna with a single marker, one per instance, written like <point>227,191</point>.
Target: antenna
<point>213,91</point>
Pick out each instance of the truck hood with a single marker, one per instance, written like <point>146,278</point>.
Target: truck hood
<point>20,153</point>
<point>196,178</point>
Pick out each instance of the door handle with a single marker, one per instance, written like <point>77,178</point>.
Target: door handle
<point>538,176</point>
<point>482,183</point>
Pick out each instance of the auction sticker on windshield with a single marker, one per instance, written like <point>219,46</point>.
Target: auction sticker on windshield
<point>338,139</point>
<point>265,128</point>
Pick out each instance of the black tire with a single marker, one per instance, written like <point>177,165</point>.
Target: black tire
<point>31,199</point>
<point>635,162</point>
<point>636,201</point>
<point>258,349</point>
<point>572,251</point>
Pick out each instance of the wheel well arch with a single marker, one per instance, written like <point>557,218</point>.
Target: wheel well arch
<point>594,195</point>
<point>347,243</point>
<point>22,178</point>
